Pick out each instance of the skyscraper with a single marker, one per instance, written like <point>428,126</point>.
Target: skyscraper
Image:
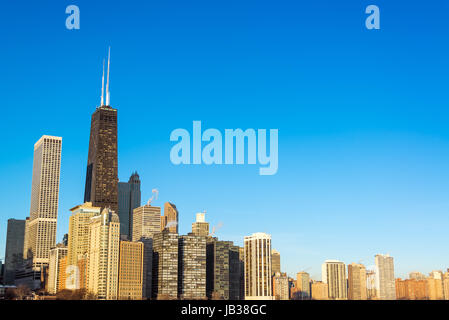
<point>102,165</point>
<point>258,267</point>
<point>280,286</point>
<point>41,229</point>
<point>78,242</point>
<point>302,287</point>
<point>385,277</point>
<point>356,282</point>
<point>200,227</point>
<point>129,198</point>
<point>130,281</point>
<point>334,274</point>
<point>165,265</point>
<point>192,267</point>
<point>103,255</point>
<point>275,261</point>
<point>319,290</point>
<point>223,270</point>
<point>170,218</point>
<point>15,235</point>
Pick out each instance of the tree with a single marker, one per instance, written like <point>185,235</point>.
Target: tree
<point>22,292</point>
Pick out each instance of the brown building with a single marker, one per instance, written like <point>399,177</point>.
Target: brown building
<point>62,273</point>
<point>130,281</point>
<point>102,165</point>
<point>170,218</point>
<point>356,282</point>
<point>320,291</point>
<point>435,285</point>
<point>411,289</point>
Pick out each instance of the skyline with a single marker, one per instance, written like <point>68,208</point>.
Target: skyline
<point>393,153</point>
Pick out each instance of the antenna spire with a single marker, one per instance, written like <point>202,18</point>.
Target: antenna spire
<point>102,88</point>
<point>108,97</point>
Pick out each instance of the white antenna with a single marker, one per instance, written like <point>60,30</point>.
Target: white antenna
<point>108,98</point>
<point>102,88</point>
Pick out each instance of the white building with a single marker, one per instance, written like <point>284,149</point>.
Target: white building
<point>333,272</point>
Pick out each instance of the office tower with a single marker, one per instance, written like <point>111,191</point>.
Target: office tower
<point>385,277</point>
<point>62,274</point>
<point>258,267</point>
<point>165,265</point>
<point>54,268</point>
<point>102,165</point>
<point>129,198</point>
<point>103,255</point>
<point>15,235</point>
<point>130,281</point>
<point>146,222</point>
<point>334,274</point>
<point>302,286</point>
<point>170,218</point>
<point>320,290</point>
<point>275,261</point>
<point>435,285</point>
<point>223,270</point>
<point>78,238</point>
<point>26,248</point>
<point>41,229</point>
<point>280,286</point>
<point>192,267</point>
<point>356,282</point>
<point>446,285</point>
<point>200,227</point>
<point>411,289</point>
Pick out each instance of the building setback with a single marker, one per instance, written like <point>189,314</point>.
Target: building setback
<point>192,267</point>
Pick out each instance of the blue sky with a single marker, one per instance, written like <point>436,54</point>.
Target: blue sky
<point>362,116</point>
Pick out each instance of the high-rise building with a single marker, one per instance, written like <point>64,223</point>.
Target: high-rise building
<point>320,290</point>
<point>224,270</point>
<point>385,277</point>
<point>54,268</point>
<point>192,267</point>
<point>102,164</point>
<point>165,265</point>
<point>146,222</point>
<point>258,267</point>
<point>26,248</point>
<point>416,275</point>
<point>275,261</point>
<point>170,218</point>
<point>302,286</point>
<point>356,282</point>
<point>41,228</point>
<point>129,198</point>
<point>78,239</point>
<point>411,289</point>
<point>15,235</point>
<point>280,286</point>
<point>200,227</point>
<point>333,273</point>
<point>130,282</point>
<point>103,255</point>
<point>62,274</point>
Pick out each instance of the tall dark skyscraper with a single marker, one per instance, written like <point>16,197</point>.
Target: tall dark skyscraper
<point>102,163</point>
<point>14,249</point>
<point>129,198</point>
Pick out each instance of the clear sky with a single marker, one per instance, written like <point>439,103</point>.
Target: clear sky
<point>362,116</point>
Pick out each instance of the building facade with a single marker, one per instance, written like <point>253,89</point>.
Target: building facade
<point>170,218</point>
<point>129,197</point>
<point>258,267</point>
<point>319,290</point>
<point>334,274</point>
<point>54,268</point>
<point>275,261</point>
<point>103,255</point>
<point>280,286</point>
<point>146,222</point>
<point>302,286</point>
<point>41,228</point>
<point>385,281</point>
<point>15,236</point>
<point>356,282</point>
<point>130,282</point>
<point>200,227</point>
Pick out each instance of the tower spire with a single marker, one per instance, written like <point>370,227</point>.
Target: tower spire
<point>108,97</point>
<point>102,88</point>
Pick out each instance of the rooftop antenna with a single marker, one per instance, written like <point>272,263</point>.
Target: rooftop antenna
<point>102,88</point>
<point>108,98</point>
